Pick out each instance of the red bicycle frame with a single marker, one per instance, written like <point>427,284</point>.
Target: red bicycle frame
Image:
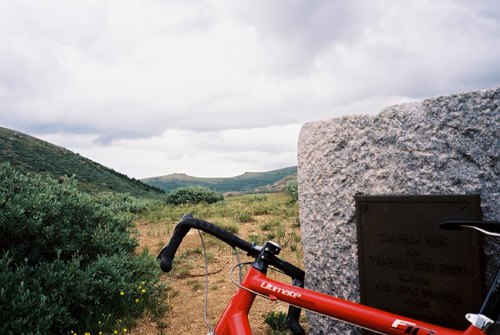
<point>234,320</point>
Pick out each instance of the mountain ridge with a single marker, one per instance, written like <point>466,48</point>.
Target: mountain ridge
<point>29,154</point>
<point>246,182</point>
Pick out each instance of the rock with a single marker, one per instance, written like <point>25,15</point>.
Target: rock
<point>442,145</point>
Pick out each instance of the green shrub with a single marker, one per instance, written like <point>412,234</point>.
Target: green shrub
<point>252,198</point>
<point>67,261</point>
<point>277,322</point>
<point>193,195</point>
<point>41,220</point>
<point>26,307</point>
<point>123,202</point>
<point>245,216</point>
<point>292,189</point>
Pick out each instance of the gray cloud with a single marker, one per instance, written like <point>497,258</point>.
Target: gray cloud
<point>114,72</point>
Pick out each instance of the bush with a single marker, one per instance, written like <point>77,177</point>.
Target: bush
<point>292,189</point>
<point>65,260</point>
<point>42,220</point>
<point>193,195</point>
<point>245,216</point>
<point>26,307</point>
<point>123,202</point>
<point>277,322</point>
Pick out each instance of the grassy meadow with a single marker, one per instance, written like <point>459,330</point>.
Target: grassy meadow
<point>270,216</point>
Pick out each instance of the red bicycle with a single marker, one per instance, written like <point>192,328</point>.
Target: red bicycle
<point>234,320</point>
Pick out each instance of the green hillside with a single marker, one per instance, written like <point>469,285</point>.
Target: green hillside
<point>31,155</point>
<point>247,182</point>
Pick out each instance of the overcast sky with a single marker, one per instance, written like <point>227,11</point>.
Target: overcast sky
<point>219,87</point>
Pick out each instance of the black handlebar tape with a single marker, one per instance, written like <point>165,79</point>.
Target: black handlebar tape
<point>289,269</point>
<point>187,222</point>
<point>490,226</point>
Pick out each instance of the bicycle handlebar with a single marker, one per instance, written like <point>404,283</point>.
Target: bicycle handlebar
<point>187,222</point>
<point>166,255</point>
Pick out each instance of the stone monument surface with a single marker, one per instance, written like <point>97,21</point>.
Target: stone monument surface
<point>442,145</point>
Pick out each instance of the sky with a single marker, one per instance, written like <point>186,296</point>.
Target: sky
<point>216,88</point>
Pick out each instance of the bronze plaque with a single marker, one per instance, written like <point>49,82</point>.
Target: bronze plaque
<point>411,267</point>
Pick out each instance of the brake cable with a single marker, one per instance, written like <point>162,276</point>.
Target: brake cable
<point>206,285</point>
<point>206,279</point>
<point>240,265</point>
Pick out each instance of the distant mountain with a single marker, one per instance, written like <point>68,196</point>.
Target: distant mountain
<point>32,155</point>
<point>247,182</point>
